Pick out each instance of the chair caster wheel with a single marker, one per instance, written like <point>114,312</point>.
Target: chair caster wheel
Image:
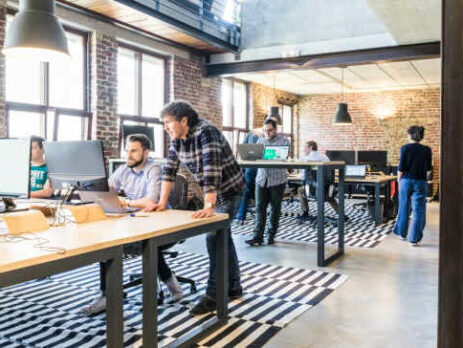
<point>193,289</point>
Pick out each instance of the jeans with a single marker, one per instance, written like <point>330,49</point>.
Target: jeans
<point>264,196</point>
<point>412,197</point>
<point>230,207</point>
<point>250,179</point>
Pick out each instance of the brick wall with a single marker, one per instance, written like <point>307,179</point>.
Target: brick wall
<point>188,83</point>
<point>380,121</point>
<point>103,101</point>
<point>2,68</point>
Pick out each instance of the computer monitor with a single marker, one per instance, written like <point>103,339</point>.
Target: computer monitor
<point>276,152</point>
<point>15,155</point>
<point>341,155</point>
<point>373,158</point>
<point>76,165</point>
<point>136,129</point>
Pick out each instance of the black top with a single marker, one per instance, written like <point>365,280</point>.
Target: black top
<point>415,161</point>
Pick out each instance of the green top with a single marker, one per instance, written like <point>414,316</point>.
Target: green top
<point>39,176</point>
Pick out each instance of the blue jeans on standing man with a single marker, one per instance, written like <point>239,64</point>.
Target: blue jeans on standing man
<point>250,179</point>
<point>412,197</point>
<point>230,207</point>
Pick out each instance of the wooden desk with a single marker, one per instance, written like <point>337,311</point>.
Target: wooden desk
<point>322,167</point>
<point>102,241</point>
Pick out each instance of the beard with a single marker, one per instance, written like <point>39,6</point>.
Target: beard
<point>136,164</point>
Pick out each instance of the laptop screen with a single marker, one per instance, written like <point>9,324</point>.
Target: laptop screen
<point>276,152</point>
<point>356,170</point>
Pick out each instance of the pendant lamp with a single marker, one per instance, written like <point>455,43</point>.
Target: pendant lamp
<point>275,110</point>
<point>35,33</point>
<point>342,116</point>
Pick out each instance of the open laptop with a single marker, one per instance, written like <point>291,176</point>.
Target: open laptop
<point>109,201</point>
<point>357,171</point>
<point>251,152</point>
<point>276,152</point>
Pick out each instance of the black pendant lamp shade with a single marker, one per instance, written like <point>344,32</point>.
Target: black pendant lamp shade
<point>36,33</point>
<point>342,115</point>
<point>275,112</point>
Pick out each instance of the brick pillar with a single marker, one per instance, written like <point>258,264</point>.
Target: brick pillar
<point>103,72</point>
<point>2,69</point>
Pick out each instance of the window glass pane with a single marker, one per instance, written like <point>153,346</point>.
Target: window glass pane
<point>67,76</point>
<point>287,111</point>
<point>72,128</point>
<point>50,125</point>
<point>152,86</point>
<point>25,124</point>
<point>158,141</point>
<point>226,103</point>
<point>239,105</point>
<point>126,82</point>
<point>229,136</point>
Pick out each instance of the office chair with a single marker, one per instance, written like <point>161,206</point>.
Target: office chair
<point>178,199</point>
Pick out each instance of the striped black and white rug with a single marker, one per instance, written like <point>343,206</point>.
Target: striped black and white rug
<point>359,230</point>
<point>47,313</point>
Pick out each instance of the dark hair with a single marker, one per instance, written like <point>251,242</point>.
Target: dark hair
<point>38,140</point>
<point>180,109</point>
<point>270,121</point>
<point>416,133</point>
<point>142,139</point>
<point>312,144</point>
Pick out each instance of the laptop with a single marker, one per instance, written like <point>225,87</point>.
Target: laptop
<point>109,201</point>
<point>251,152</point>
<point>357,171</point>
<point>276,152</point>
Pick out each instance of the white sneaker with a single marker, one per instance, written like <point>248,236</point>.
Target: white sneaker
<point>96,307</point>
<point>176,291</point>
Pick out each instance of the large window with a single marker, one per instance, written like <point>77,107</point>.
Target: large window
<point>235,111</point>
<point>49,99</point>
<point>141,91</point>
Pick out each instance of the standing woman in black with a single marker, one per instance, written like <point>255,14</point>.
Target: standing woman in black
<point>414,167</point>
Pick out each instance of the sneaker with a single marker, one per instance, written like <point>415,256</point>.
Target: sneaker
<point>270,241</point>
<point>234,294</point>
<point>176,291</point>
<point>254,241</point>
<point>415,244</point>
<point>403,238</point>
<point>96,307</point>
<point>204,306</point>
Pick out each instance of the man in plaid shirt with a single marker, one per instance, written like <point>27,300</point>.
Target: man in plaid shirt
<point>203,149</point>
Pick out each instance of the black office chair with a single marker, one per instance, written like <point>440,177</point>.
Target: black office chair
<point>178,199</point>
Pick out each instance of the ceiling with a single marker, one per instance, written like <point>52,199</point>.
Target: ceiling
<point>358,78</point>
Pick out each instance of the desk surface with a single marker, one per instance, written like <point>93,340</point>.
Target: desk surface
<point>367,179</point>
<point>287,164</point>
<point>84,238</point>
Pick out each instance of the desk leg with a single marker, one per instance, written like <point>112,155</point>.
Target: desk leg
<point>150,298</point>
<point>114,307</point>
<point>341,212</point>
<point>378,217</point>
<point>321,216</point>
<point>221,274</point>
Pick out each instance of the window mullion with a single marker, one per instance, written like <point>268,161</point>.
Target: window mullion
<point>139,84</point>
<point>45,95</point>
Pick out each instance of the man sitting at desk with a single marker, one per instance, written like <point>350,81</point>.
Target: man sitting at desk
<point>312,154</point>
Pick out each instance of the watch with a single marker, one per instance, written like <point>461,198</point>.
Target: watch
<point>209,205</point>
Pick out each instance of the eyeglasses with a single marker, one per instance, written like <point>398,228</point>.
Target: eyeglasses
<point>268,130</point>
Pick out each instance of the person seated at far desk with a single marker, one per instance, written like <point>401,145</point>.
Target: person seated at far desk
<point>40,184</point>
<point>312,154</point>
<point>139,180</point>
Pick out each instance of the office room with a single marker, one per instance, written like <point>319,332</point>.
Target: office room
<point>231,173</point>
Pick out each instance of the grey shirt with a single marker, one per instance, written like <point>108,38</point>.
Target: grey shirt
<point>268,177</point>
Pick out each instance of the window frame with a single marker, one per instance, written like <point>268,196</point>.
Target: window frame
<point>138,117</point>
<point>281,104</point>
<point>45,108</point>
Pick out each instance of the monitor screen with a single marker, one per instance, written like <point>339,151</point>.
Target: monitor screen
<point>276,152</point>
<point>341,155</point>
<point>356,170</point>
<point>375,158</point>
<point>136,129</point>
<point>15,175</point>
<point>76,164</point>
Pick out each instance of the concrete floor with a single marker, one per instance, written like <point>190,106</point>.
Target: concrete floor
<point>390,299</point>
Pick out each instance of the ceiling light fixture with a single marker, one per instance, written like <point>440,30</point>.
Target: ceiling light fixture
<point>275,110</point>
<point>342,116</point>
<point>35,33</point>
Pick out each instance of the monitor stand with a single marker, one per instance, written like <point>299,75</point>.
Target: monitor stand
<point>8,205</point>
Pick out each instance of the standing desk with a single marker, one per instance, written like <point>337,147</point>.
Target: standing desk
<point>103,241</point>
<point>322,168</point>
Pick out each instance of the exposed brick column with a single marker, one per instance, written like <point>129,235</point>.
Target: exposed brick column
<point>2,69</point>
<point>103,72</point>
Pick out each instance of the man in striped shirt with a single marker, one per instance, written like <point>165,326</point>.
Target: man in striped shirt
<point>203,149</point>
<point>270,187</point>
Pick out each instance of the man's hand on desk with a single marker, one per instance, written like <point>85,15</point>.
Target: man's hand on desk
<point>203,213</point>
<point>152,206</point>
<point>124,202</point>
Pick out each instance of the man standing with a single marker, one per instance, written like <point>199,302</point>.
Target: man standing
<point>204,150</point>
<point>270,187</point>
